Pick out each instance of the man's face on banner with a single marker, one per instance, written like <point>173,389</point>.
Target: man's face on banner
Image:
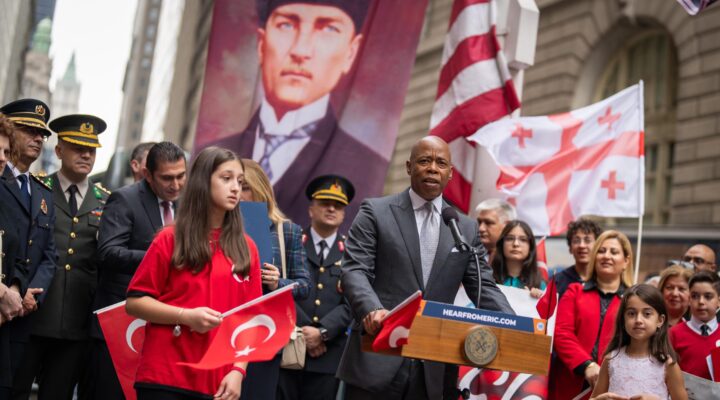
<point>304,50</point>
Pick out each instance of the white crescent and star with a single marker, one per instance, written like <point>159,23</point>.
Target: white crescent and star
<point>258,320</point>
<point>135,325</point>
<point>398,333</point>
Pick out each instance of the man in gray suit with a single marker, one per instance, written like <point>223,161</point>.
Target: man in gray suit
<point>396,246</point>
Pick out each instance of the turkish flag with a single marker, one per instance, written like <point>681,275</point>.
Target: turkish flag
<point>541,255</point>
<point>254,331</point>
<point>124,335</point>
<point>396,324</point>
<point>557,168</point>
<point>490,384</point>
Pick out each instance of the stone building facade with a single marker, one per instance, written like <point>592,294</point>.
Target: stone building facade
<point>589,49</point>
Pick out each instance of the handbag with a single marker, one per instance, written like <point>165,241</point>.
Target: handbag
<point>293,354</point>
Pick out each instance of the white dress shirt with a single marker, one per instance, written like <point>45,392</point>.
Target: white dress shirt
<point>330,240</point>
<point>695,325</point>
<point>286,153</point>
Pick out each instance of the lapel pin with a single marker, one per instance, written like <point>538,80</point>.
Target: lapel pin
<point>43,206</point>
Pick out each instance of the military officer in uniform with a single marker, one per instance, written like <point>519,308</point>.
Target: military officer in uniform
<point>325,315</point>
<point>31,204</point>
<point>58,346</point>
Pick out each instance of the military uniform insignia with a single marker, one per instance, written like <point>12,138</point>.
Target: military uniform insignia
<point>39,109</point>
<point>100,192</point>
<point>41,180</point>
<point>87,128</point>
<point>43,206</point>
<point>48,181</point>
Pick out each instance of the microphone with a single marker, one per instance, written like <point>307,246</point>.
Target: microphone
<point>450,218</point>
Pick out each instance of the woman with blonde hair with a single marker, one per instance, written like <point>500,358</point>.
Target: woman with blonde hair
<point>285,235</point>
<point>676,292</point>
<point>586,316</point>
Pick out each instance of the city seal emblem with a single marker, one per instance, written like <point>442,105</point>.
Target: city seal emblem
<point>481,346</point>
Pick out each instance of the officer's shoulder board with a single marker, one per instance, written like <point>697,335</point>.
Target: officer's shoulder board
<point>42,181</point>
<point>100,191</point>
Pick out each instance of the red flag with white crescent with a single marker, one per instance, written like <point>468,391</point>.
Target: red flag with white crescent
<point>124,335</point>
<point>396,324</point>
<point>255,331</point>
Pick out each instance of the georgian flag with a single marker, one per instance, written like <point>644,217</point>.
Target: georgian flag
<point>124,336</point>
<point>397,323</point>
<point>559,167</point>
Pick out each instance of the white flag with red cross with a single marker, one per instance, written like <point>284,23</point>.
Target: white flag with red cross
<point>588,161</point>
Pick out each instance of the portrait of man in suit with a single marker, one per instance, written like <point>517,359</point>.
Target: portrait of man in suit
<point>398,245</point>
<point>304,49</point>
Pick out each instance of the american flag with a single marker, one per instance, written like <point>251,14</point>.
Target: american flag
<point>474,89</point>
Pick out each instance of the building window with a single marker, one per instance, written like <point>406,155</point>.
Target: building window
<point>649,56</point>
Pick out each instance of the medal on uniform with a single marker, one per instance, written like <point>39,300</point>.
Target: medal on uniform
<point>43,206</point>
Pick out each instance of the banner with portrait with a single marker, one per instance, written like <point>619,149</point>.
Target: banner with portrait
<point>310,88</point>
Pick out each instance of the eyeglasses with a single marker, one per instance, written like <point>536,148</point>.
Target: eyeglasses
<point>684,264</point>
<point>579,240</point>
<point>521,239</point>
<point>694,260</point>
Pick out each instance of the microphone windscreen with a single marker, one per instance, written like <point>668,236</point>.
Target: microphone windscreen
<point>448,214</point>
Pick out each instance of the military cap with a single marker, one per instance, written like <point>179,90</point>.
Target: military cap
<point>28,112</point>
<point>355,9</point>
<point>79,129</point>
<point>330,187</point>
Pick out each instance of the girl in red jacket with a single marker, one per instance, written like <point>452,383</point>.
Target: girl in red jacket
<point>586,315</point>
<point>639,361</point>
<point>192,272</point>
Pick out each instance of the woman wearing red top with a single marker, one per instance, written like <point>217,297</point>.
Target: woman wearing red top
<point>191,273</point>
<point>586,316</point>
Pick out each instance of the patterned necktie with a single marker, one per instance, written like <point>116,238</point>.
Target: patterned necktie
<point>24,189</point>
<point>273,142</point>
<point>167,212</point>
<point>429,236</point>
<point>704,330</point>
<point>72,201</point>
<point>323,246</point>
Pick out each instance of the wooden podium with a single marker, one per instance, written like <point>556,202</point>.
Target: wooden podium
<point>439,330</point>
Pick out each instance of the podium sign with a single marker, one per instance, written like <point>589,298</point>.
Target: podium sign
<point>439,333</point>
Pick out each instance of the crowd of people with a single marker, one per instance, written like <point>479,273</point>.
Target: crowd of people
<point>173,244</point>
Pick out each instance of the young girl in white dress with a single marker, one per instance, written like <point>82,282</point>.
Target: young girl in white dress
<point>639,362</point>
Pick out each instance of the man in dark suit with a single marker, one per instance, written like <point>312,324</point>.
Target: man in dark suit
<point>57,351</point>
<point>398,245</point>
<point>305,48</point>
<point>325,315</point>
<point>130,220</point>
<point>32,207</point>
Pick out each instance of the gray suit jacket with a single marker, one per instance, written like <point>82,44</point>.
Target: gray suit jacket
<point>381,268</point>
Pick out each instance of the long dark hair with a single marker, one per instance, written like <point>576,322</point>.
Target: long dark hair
<point>529,275</point>
<point>192,225</point>
<point>660,347</point>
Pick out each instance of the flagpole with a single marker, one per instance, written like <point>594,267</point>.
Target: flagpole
<point>639,247</point>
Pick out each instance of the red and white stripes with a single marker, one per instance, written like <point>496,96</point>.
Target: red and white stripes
<point>475,88</point>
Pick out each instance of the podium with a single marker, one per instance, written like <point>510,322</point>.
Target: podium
<point>439,332</point>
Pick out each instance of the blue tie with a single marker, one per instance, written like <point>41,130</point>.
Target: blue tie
<point>24,190</point>
<point>273,142</point>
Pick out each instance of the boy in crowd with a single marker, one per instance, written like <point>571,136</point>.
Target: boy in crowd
<point>693,340</point>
